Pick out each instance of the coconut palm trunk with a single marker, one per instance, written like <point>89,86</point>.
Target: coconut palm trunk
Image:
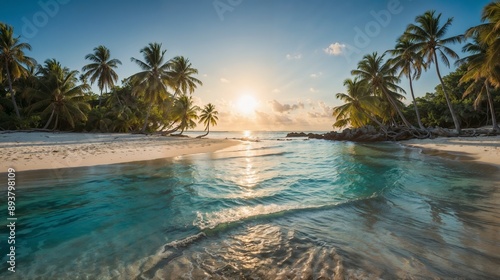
<point>447,97</point>
<point>208,131</point>
<point>396,107</point>
<point>415,101</point>
<point>11,89</point>
<point>492,107</point>
<point>50,118</point>
<point>100,99</point>
<point>143,130</point>
<point>373,119</point>
<point>56,122</point>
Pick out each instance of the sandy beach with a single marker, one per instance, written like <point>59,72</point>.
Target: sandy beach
<point>482,149</point>
<point>40,150</point>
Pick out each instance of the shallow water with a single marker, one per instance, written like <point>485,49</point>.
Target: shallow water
<point>262,210</point>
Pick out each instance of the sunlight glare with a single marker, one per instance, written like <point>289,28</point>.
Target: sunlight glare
<point>246,104</point>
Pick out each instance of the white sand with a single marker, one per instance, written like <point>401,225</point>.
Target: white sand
<point>482,149</point>
<point>40,150</point>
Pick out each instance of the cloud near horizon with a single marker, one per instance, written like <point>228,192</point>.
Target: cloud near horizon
<point>284,108</point>
<point>303,115</point>
<point>335,49</point>
<point>224,81</point>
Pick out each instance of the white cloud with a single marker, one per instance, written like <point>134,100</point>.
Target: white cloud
<point>205,75</point>
<point>316,75</point>
<point>335,48</point>
<point>313,90</point>
<point>293,56</point>
<point>276,90</point>
<point>224,80</point>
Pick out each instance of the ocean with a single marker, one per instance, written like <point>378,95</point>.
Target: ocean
<point>267,208</point>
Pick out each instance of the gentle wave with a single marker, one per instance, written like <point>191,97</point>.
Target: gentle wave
<point>236,214</point>
<point>185,242</point>
<point>252,155</point>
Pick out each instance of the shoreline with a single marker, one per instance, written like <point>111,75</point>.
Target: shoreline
<point>482,149</point>
<point>54,150</point>
<point>26,151</point>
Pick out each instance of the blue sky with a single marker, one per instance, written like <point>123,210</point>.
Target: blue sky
<point>287,57</point>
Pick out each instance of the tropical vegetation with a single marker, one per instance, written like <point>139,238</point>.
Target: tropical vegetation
<point>157,99</point>
<point>467,97</point>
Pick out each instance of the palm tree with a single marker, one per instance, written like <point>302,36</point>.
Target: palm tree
<point>151,83</point>
<point>407,61</point>
<point>208,117</point>
<point>60,96</point>
<point>101,69</point>
<point>428,40</point>
<point>381,78</point>
<point>12,60</point>
<point>360,106</point>
<point>181,75</point>
<point>185,113</point>
<point>489,33</point>
<point>479,72</point>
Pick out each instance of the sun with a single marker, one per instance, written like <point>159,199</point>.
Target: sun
<point>246,104</point>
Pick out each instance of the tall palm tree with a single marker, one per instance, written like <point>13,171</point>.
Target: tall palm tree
<point>479,72</point>
<point>360,106</point>
<point>60,96</point>
<point>208,117</point>
<point>101,69</point>
<point>428,40</point>
<point>12,60</point>
<point>382,79</point>
<point>185,113</point>
<point>151,84</point>
<point>410,64</point>
<point>181,75</point>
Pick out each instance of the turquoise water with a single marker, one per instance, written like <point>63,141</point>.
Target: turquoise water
<point>261,210</point>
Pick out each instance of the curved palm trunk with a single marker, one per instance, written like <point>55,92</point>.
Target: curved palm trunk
<point>453,115</point>
<point>415,101</point>
<point>146,119</point>
<point>492,107</point>
<point>57,121</point>
<point>395,105</point>
<point>12,97</point>
<point>182,131</point>
<point>50,118</point>
<point>208,131</point>
<point>170,131</point>
<point>372,118</point>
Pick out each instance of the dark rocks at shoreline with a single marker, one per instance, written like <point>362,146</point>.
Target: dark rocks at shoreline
<point>371,134</point>
<point>363,134</point>
<point>297,134</point>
